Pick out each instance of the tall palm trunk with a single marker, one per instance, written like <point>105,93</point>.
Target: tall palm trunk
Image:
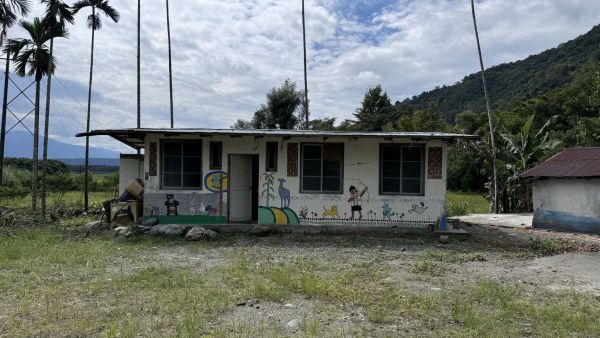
<point>46,127</point>
<point>305,73</point>
<point>87,138</point>
<point>489,113</point>
<point>36,134</point>
<point>170,68</point>
<point>139,102</point>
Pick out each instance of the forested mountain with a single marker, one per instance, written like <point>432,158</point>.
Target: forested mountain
<point>511,83</point>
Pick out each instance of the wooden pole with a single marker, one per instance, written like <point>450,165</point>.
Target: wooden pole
<point>170,67</point>
<point>4,109</point>
<point>305,72</point>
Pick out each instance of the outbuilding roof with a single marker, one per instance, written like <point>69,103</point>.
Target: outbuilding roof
<point>570,163</point>
<point>135,137</point>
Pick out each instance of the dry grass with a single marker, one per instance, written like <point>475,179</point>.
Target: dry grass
<point>56,282</point>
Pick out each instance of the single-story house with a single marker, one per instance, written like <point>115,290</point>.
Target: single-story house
<point>566,191</point>
<point>201,176</point>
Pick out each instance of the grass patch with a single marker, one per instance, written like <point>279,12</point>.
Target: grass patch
<point>459,204</point>
<point>549,247</point>
<point>55,282</point>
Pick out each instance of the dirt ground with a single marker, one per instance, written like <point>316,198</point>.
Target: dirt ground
<point>386,283</point>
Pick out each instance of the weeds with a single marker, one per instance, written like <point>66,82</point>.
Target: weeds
<point>549,247</point>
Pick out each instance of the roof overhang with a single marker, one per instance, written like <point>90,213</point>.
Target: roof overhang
<point>135,137</point>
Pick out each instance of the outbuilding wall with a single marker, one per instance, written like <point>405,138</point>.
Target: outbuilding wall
<point>361,169</point>
<point>567,204</point>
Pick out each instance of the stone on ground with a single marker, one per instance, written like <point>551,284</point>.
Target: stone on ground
<point>259,230</point>
<point>120,231</point>
<point>171,229</point>
<point>197,233</point>
<point>150,222</point>
<point>96,226</point>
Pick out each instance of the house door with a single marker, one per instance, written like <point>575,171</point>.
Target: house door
<point>243,188</point>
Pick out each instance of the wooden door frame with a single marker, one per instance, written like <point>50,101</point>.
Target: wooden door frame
<point>254,157</point>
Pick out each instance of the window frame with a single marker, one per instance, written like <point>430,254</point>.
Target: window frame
<point>401,178</point>
<point>162,164</point>
<point>211,165</point>
<point>301,188</point>
<point>276,155</point>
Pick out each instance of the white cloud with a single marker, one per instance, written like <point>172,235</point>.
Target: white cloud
<point>228,54</point>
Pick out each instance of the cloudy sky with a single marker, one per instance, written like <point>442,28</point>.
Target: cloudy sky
<point>228,54</point>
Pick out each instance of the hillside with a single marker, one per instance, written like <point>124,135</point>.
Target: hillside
<point>19,144</point>
<point>514,82</point>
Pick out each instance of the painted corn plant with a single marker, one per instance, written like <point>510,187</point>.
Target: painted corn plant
<point>268,191</point>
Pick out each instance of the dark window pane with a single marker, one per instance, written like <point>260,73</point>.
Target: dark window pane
<point>192,180</point>
<point>390,185</point>
<point>172,164</point>
<point>411,186</point>
<point>172,180</point>
<point>216,155</point>
<point>271,156</point>
<point>192,164</point>
<point>390,152</point>
<point>192,149</point>
<point>391,169</point>
<point>312,151</point>
<point>333,151</point>
<point>311,168</point>
<point>311,183</point>
<point>331,184</point>
<point>412,153</point>
<point>331,168</point>
<point>411,170</point>
<point>172,149</point>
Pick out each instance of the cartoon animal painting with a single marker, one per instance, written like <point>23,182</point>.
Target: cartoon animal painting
<point>150,210</point>
<point>331,212</point>
<point>418,209</point>
<point>387,211</point>
<point>171,203</point>
<point>284,194</point>
<point>210,210</point>
<point>303,212</point>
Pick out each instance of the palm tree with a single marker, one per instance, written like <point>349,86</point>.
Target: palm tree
<point>489,112</point>
<point>8,16</point>
<point>32,58</point>
<point>58,14</point>
<point>94,23</point>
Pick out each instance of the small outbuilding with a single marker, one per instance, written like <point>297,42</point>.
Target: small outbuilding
<point>201,176</point>
<point>566,191</point>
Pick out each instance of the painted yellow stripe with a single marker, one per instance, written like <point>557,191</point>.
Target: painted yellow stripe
<point>280,216</point>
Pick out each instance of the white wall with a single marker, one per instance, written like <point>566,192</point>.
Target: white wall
<point>572,196</point>
<point>129,168</point>
<point>361,168</point>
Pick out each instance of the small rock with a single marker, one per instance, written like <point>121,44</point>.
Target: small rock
<point>259,230</point>
<point>197,233</point>
<point>96,226</point>
<point>150,222</point>
<point>444,239</point>
<point>292,324</point>
<point>171,229</point>
<point>289,305</point>
<point>120,231</point>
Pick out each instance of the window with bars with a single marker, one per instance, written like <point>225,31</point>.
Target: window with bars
<point>181,165</point>
<point>402,169</point>
<point>322,167</point>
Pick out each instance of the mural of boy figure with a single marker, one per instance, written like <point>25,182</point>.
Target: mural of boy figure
<point>355,201</point>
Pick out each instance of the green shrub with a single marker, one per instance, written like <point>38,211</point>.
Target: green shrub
<point>16,182</point>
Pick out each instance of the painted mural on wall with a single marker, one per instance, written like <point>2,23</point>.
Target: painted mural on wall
<point>199,207</point>
<point>356,208</point>
<point>216,181</point>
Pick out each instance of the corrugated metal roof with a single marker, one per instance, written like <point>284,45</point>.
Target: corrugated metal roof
<point>570,163</point>
<point>135,136</point>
